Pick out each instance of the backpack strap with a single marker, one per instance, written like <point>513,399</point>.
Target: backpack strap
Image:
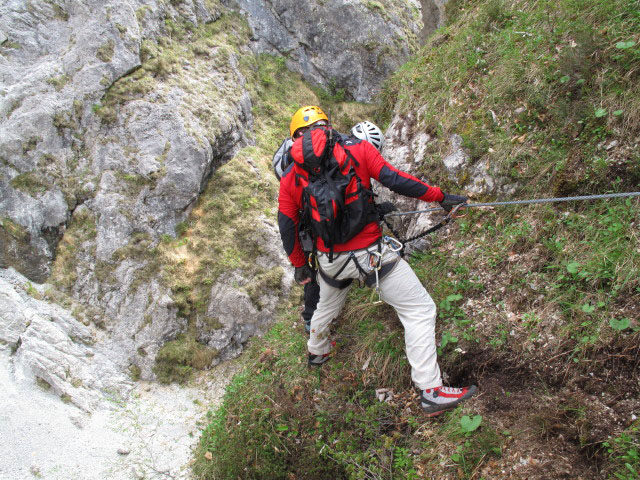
<point>349,154</point>
<point>336,197</point>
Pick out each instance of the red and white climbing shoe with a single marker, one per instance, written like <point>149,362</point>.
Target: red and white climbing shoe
<point>318,360</point>
<point>434,401</point>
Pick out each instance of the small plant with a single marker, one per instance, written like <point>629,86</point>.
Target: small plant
<point>625,45</point>
<point>107,114</point>
<point>105,52</point>
<point>32,291</point>
<point>625,451</point>
<point>600,112</point>
<point>448,303</point>
<point>375,5</point>
<point>620,325</point>
<point>176,359</point>
<point>478,447</point>
<point>447,338</point>
<point>30,182</point>
<point>59,82</point>
<point>135,372</point>
<point>469,425</point>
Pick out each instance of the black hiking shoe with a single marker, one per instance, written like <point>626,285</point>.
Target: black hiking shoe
<point>307,325</point>
<point>434,401</point>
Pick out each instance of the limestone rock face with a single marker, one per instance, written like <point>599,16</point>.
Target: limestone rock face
<point>433,16</point>
<point>352,45</point>
<point>114,116</point>
<point>109,131</point>
<point>60,60</point>
<point>243,307</point>
<point>51,346</point>
<point>407,147</point>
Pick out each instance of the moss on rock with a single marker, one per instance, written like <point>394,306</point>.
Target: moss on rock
<point>176,359</point>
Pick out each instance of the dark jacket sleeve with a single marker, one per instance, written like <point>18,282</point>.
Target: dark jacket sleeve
<point>288,221</point>
<point>397,180</point>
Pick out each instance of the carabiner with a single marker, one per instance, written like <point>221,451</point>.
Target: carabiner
<point>394,244</point>
<point>375,260</point>
<point>376,290</point>
<point>313,259</point>
<point>453,211</point>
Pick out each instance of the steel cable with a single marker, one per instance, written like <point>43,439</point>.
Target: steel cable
<point>523,202</point>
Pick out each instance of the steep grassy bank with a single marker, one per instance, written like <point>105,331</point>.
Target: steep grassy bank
<point>538,305</point>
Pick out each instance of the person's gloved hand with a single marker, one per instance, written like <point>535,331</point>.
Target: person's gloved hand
<point>303,274</point>
<point>450,201</point>
<point>386,207</point>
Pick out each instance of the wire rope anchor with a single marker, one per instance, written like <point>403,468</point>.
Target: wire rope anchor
<point>454,209</point>
<point>524,202</point>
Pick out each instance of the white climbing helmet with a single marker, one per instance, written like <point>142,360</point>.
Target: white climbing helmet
<point>369,132</point>
<point>281,158</point>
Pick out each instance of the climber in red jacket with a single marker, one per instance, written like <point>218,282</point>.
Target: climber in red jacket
<point>330,183</point>
<point>364,130</point>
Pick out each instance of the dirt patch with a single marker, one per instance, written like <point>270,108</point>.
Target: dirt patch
<point>541,440</point>
<point>554,429</point>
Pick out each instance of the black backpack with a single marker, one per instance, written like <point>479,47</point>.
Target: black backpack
<point>336,207</point>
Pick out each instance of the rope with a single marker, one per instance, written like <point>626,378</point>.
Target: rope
<point>436,227</point>
<point>524,202</point>
<point>446,219</point>
<point>450,215</point>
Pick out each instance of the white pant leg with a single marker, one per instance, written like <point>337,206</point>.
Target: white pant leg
<point>401,289</point>
<point>416,310</point>
<point>331,302</point>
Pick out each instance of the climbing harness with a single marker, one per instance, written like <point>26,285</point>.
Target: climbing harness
<point>451,214</point>
<point>378,270</point>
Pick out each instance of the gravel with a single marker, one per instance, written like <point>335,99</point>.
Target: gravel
<point>150,436</point>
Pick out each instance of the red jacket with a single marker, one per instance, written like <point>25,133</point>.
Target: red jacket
<point>370,164</point>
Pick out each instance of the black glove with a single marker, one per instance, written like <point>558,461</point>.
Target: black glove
<point>450,201</point>
<point>385,207</point>
<point>303,273</point>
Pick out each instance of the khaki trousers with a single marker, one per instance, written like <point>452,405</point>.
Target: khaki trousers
<point>401,289</point>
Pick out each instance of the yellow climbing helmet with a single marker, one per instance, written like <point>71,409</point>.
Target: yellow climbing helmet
<point>306,116</point>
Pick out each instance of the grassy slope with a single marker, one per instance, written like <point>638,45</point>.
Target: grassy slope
<point>537,304</point>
